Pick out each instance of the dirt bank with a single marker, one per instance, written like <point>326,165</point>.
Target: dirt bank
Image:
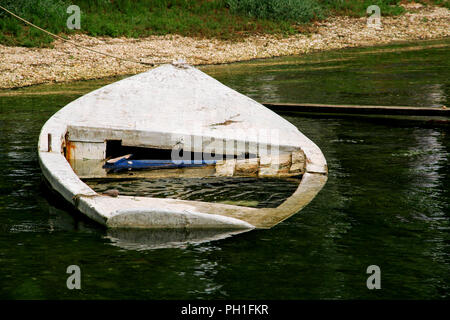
<point>27,66</point>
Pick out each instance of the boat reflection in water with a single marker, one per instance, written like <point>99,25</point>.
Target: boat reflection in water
<point>148,239</point>
<point>64,218</point>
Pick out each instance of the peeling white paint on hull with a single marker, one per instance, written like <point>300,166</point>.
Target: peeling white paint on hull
<point>173,108</point>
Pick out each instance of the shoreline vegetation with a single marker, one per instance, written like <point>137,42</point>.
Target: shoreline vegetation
<point>200,32</point>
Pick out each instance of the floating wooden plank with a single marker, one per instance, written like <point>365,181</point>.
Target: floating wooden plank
<point>357,110</point>
<point>114,160</point>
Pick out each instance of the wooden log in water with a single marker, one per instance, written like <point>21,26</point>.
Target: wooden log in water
<point>358,110</point>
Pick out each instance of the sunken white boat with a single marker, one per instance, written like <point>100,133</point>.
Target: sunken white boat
<point>176,110</point>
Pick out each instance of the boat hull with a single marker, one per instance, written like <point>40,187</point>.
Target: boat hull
<point>82,129</point>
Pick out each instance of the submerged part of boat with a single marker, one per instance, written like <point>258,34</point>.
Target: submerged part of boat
<point>150,239</point>
<point>176,116</point>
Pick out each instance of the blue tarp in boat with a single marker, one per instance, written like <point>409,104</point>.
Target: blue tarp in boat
<point>125,163</point>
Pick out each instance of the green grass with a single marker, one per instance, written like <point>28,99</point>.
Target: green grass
<point>442,3</point>
<point>358,8</point>
<point>279,10</point>
<point>224,19</point>
<point>132,18</point>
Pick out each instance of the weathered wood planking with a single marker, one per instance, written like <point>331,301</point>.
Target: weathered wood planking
<point>355,109</point>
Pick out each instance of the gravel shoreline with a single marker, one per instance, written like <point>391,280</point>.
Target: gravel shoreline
<point>21,66</point>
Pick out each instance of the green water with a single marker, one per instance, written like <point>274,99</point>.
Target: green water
<point>414,74</point>
<point>386,203</point>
